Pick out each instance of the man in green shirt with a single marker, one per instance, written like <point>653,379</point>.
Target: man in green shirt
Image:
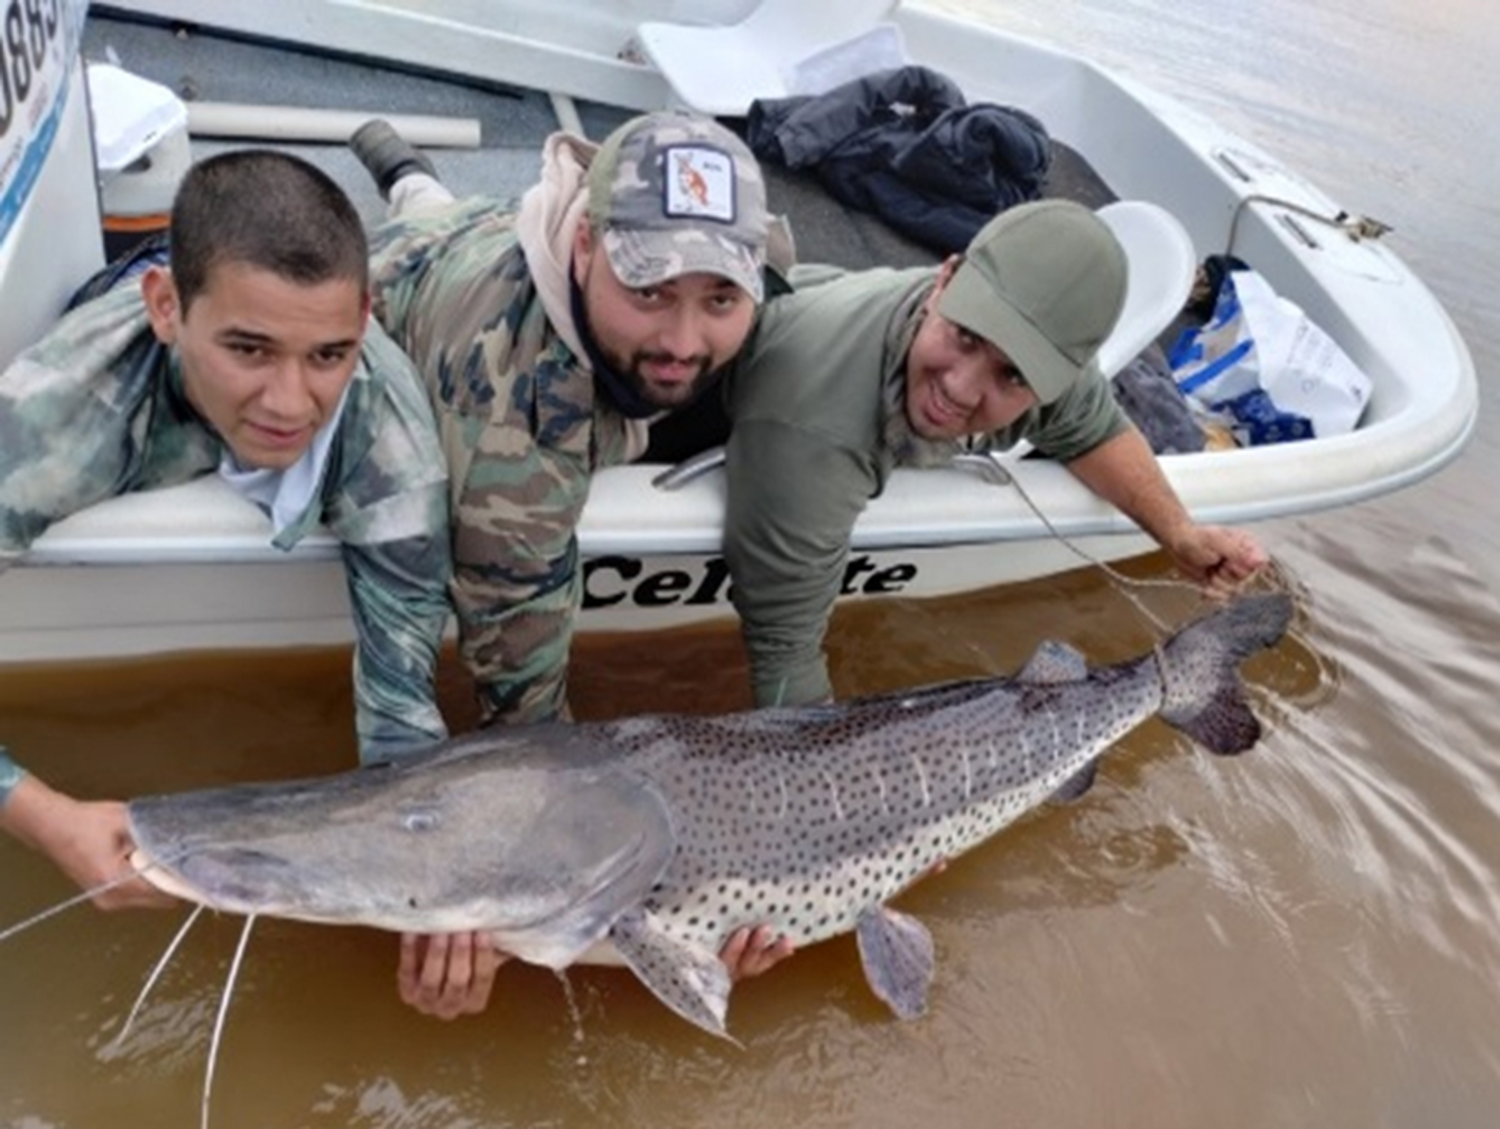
<point>857,373</point>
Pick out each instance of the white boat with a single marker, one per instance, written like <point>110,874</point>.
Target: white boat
<point>191,567</point>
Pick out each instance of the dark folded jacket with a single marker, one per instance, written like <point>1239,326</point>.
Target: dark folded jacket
<point>904,145</point>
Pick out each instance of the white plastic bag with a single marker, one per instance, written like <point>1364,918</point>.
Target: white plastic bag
<point>1263,363</point>
<point>131,114</point>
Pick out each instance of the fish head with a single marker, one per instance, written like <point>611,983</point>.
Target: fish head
<point>542,856</point>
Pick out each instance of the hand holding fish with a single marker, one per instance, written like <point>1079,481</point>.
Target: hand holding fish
<point>750,952</point>
<point>448,974</point>
<point>89,841</point>
<point>1218,559</point>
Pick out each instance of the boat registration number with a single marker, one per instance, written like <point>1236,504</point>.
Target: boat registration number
<point>38,49</point>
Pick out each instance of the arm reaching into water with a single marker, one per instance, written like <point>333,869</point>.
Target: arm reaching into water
<point>1123,471</point>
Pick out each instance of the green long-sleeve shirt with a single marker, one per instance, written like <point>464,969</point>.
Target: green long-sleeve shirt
<point>818,425</point>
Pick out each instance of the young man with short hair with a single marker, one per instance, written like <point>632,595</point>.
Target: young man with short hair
<point>252,354</point>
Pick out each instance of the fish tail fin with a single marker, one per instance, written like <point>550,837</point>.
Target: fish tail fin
<point>1203,695</point>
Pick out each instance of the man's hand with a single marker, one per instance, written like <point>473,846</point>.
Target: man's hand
<point>1125,473</point>
<point>1218,559</point>
<point>448,974</point>
<point>749,952</point>
<point>88,841</point>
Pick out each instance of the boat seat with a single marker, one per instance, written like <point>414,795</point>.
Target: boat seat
<point>1161,264</point>
<point>782,47</point>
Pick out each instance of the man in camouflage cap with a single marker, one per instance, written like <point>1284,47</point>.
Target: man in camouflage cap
<point>250,354</point>
<point>549,339</point>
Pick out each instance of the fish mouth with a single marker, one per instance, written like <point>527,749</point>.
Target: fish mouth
<point>162,877</point>
<point>234,880</point>
<point>252,882</point>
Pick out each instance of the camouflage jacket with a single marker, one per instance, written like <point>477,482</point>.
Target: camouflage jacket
<point>96,409</point>
<point>478,297</point>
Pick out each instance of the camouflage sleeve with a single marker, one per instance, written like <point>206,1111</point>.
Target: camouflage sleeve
<point>67,422</point>
<point>437,279</point>
<point>515,647</point>
<point>391,514</point>
<point>400,609</point>
<point>515,416</point>
<point>517,581</point>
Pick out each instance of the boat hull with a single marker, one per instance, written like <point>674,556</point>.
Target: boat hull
<point>191,567</point>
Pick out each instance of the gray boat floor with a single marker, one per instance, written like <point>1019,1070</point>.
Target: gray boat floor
<point>209,66</point>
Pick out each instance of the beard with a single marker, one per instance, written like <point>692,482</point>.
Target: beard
<point>666,394</point>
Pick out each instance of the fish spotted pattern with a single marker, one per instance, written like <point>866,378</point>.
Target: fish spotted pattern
<point>656,837</point>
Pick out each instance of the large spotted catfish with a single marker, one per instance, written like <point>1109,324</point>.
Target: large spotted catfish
<point>649,840</point>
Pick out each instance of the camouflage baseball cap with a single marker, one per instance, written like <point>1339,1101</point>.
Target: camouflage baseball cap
<point>671,194</point>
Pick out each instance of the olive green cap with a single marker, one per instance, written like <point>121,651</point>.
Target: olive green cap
<point>1044,283</point>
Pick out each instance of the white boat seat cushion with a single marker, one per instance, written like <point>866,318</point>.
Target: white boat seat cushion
<point>782,47</point>
<point>1160,268</point>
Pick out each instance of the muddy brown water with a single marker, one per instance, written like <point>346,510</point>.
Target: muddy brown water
<point>1305,935</point>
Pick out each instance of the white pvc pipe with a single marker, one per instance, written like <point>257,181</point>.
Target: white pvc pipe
<point>300,123</point>
<point>566,111</point>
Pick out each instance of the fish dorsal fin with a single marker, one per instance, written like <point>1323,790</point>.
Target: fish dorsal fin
<point>896,951</point>
<point>688,978</point>
<point>1054,662</point>
<point>1076,785</point>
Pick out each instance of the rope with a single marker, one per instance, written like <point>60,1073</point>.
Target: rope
<point>993,472</point>
<point>1357,228</point>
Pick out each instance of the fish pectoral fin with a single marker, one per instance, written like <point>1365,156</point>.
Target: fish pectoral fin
<point>1075,786</point>
<point>897,954</point>
<point>688,978</point>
